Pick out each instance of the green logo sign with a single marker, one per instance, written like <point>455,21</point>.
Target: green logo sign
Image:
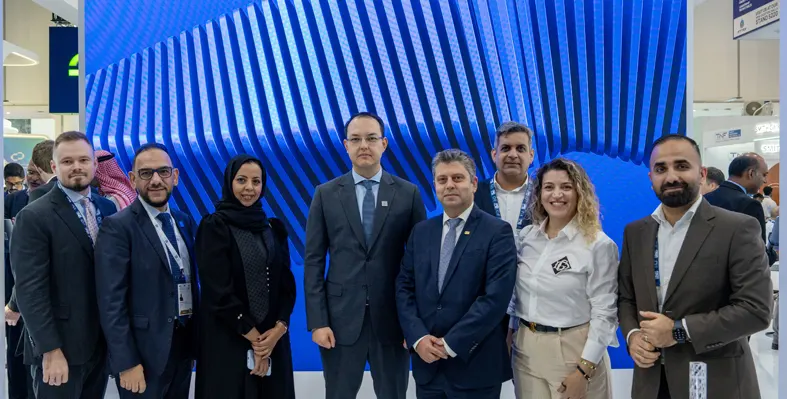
<point>73,66</point>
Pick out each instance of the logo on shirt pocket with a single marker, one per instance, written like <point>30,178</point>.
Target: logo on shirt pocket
<point>561,265</point>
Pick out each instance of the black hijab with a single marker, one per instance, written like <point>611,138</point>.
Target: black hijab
<point>229,208</point>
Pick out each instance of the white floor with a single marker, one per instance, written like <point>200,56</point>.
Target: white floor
<point>310,384</point>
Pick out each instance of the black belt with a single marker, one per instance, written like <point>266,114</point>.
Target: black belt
<point>542,328</point>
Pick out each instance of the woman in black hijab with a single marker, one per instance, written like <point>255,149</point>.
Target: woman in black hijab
<point>248,293</point>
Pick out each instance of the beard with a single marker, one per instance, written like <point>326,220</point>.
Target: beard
<point>151,202</point>
<point>74,186</point>
<point>676,199</point>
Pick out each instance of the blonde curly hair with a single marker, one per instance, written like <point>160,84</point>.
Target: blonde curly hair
<point>587,216</point>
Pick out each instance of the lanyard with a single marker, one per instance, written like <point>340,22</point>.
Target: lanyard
<point>520,223</point>
<point>79,213</point>
<point>169,247</point>
<point>656,266</point>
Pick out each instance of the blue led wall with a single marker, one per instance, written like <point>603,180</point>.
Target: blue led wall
<point>598,80</point>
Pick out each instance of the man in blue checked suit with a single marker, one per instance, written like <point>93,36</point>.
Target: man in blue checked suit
<point>456,279</point>
<point>147,285</point>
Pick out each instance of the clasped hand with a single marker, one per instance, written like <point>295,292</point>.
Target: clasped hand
<point>431,349</point>
<point>264,343</point>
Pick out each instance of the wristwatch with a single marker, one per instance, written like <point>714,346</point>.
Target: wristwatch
<point>679,332</point>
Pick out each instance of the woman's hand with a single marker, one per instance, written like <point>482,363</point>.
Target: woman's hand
<point>575,386</point>
<point>261,365</point>
<point>265,343</point>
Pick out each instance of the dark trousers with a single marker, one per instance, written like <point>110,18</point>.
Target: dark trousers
<point>343,366</point>
<point>175,381</point>
<point>20,380</point>
<point>86,381</point>
<point>663,386</point>
<point>440,388</point>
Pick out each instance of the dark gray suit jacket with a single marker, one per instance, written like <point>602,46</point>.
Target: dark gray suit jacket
<point>52,259</point>
<point>42,190</point>
<point>721,284</point>
<point>357,271</point>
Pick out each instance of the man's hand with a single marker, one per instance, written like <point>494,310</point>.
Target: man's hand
<point>643,353</point>
<point>265,343</point>
<point>657,330</point>
<point>11,317</point>
<point>261,365</point>
<point>324,337</point>
<point>55,368</point>
<point>431,349</point>
<point>133,379</point>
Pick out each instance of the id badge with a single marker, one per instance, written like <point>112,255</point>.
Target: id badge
<point>185,307</point>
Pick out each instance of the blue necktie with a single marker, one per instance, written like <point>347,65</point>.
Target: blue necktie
<point>367,210</point>
<point>447,251</point>
<point>169,231</point>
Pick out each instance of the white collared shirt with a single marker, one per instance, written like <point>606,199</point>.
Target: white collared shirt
<point>182,248</point>
<point>360,190</point>
<point>510,202</point>
<point>567,281</point>
<point>77,198</point>
<point>670,242</point>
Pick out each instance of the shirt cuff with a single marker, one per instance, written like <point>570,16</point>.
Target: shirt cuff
<point>448,349</point>
<point>593,351</point>
<point>415,345</point>
<point>629,334</point>
<point>686,327</point>
<point>513,323</point>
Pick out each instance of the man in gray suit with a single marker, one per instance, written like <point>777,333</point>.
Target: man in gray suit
<point>694,283</point>
<point>362,220</point>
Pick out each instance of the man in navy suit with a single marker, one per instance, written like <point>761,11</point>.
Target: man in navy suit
<point>147,298</point>
<point>748,172</point>
<point>456,279</point>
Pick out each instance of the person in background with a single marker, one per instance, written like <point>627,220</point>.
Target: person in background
<point>40,164</point>
<point>16,201</point>
<point>768,204</point>
<point>248,293</point>
<point>713,179</point>
<point>112,182</point>
<point>146,281</point>
<point>758,197</point>
<point>14,177</point>
<point>52,259</point>
<point>566,291</point>
<point>455,283</point>
<point>747,174</point>
<point>773,241</point>
<point>361,221</point>
<point>506,194</point>
<point>681,299</point>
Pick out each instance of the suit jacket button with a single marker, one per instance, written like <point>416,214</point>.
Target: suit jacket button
<point>169,320</point>
<point>439,307</point>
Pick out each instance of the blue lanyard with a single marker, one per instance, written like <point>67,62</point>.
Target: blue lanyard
<point>656,261</point>
<point>79,214</point>
<point>522,212</point>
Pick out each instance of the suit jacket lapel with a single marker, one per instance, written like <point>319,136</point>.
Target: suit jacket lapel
<point>648,241</point>
<point>436,234</point>
<point>149,231</point>
<point>469,227</point>
<point>349,201</point>
<point>695,237</point>
<point>64,209</point>
<point>385,197</point>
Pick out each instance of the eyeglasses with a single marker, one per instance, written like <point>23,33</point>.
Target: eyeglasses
<point>370,140</point>
<point>147,174</point>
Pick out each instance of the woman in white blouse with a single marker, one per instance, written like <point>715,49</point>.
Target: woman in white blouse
<point>564,301</point>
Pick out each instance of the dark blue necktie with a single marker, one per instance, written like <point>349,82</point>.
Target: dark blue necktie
<point>367,209</point>
<point>169,231</point>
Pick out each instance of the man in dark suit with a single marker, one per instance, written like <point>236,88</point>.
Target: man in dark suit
<point>147,298</point>
<point>362,219</point>
<point>40,167</point>
<point>683,300</point>
<point>506,194</point>
<point>747,174</point>
<point>52,259</point>
<point>453,290</point>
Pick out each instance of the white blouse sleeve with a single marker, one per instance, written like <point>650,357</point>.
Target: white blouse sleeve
<point>602,291</point>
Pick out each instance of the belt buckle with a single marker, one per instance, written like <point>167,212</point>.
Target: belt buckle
<point>532,326</point>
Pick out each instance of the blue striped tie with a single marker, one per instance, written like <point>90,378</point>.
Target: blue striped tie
<point>447,251</point>
<point>367,210</point>
<point>177,276</point>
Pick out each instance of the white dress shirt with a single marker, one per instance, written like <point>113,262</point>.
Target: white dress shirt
<point>463,219</point>
<point>77,197</point>
<point>568,281</point>
<point>670,242</point>
<point>182,248</point>
<point>510,202</point>
<point>768,205</point>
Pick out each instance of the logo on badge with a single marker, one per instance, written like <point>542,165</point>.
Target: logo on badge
<point>561,265</point>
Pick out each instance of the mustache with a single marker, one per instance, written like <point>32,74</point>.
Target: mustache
<point>667,186</point>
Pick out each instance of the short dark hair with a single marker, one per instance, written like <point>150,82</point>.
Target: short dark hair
<point>715,175</point>
<point>67,137</point>
<point>758,196</point>
<point>365,115</point>
<point>13,169</point>
<point>767,190</point>
<point>741,164</point>
<point>42,155</point>
<point>512,127</point>
<point>145,148</point>
<point>677,137</point>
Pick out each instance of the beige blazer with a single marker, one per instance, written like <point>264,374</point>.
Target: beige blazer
<point>721,284</point>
